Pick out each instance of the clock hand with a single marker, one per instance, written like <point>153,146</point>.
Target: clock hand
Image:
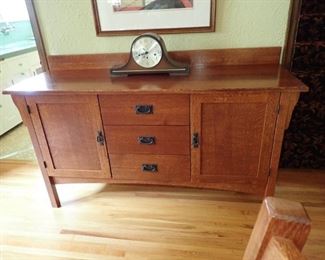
<point>142,54</point>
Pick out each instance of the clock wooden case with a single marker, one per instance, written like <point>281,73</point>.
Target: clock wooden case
<point>148,55</point>
<point>217,128</point>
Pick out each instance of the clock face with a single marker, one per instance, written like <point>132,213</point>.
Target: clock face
<point>146,52</point>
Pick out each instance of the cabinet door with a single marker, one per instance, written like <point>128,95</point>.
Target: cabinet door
<point>235,136</point>
<point>67,128</point>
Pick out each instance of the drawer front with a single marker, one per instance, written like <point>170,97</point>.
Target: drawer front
<point>148,140</point>
<point>145,109</point>
<point>166,168</point>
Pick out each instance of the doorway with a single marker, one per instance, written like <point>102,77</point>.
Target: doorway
<point>19,60</point>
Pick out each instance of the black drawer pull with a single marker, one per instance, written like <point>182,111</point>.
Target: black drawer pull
<point>146,140</point>
<point>144,109</point>
<point>149,168</point>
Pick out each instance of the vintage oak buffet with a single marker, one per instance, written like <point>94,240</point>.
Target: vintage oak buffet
<point>220,127</point>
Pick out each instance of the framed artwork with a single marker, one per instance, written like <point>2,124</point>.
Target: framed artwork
<point>127,17</point>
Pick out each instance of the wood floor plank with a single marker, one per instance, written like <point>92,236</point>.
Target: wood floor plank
<point>99,221</point>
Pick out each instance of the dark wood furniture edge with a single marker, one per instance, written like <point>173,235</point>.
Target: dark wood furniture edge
<point>126,92</point>
<point>287,103</point>
<point>292,27</point>
<point>101,33</point>
<point>21,104</point>
<point>196,58</point>
<point>37,34</point>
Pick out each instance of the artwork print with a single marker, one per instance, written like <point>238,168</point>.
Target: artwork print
<point>118,17</point>
<point>137,5</point>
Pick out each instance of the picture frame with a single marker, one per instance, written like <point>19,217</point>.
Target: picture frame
<point>128,17</point>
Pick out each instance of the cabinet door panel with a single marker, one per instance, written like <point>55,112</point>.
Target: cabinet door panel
<point>236,135</point>
<point>67,129</point>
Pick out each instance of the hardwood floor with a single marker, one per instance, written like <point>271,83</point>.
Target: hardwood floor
<point>99,221</point>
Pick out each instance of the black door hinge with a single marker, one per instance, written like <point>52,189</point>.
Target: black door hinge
<point>45,165</point>
<point>195,140</point>
<point>28,109</point>
<point>100,138</point>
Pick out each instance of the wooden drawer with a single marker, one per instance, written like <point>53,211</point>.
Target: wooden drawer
<point>145,109</point>
<point>167,168</point>
<point>148,139</point>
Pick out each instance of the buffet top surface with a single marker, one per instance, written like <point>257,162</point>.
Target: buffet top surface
<point>200,80</point>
